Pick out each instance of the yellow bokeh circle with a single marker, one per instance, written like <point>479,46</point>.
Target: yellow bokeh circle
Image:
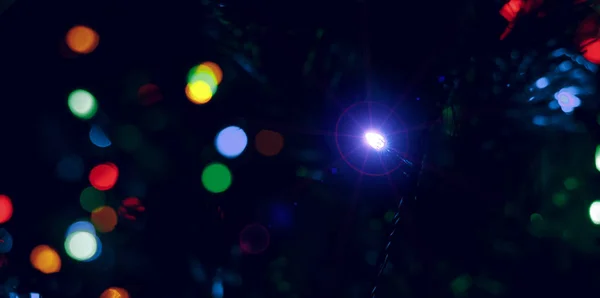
<point>199,92</point>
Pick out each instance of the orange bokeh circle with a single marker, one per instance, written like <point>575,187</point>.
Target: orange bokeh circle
<point>82,39</point>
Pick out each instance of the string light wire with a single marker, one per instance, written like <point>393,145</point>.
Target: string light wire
<point>384,261</point>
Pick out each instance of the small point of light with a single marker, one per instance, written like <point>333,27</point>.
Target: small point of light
<point>375,140</point>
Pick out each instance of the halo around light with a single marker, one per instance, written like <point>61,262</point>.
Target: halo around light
<point>384,126</point>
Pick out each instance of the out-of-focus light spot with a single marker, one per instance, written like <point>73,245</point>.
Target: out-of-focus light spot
<point>198,273</point>
<point>595,212</point>
<point>82,104</point>
<point>45,259</point>
<point>302,172</point>
<point>591,50</point>
<point>535,217</point>
<point>597,158</point>
<point>375,140</point>
<point>98,251</point>
<point>104,176</point>
<point>70,168</point>
<point>268,143</point>
<point>553,105</point>
<point>216,178</point>
<point>81,246</point>
<point>217,288</point>
<point>34,295</point>
<point>210,68</point>
<point>149,94</point>
<point>542,83</point>
<point>92,199</point>
<point>206,77</point>
<point>6,209</point>
<point>389,216</point>
<point>98,137</point>
<point>231,141</point>
<point>559,199</point>
<point>81,226</point>
<point>254,239</point>
<point>6,241</point>
<point>199,92</point>
<point>82,39</point>
<point>567,109</point>
<point>115,292</point>
<point>281,216</point>
<point>540,120</point>
<point>131,208</point>
<point>129,138</point>
<point>571,183</point>
<point>104,219</point>
<point>565,66</point>
<point>567,99</point>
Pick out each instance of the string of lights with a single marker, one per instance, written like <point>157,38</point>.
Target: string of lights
<point>385,256</point>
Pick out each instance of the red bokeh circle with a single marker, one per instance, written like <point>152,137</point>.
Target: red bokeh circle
<point>254,239</point>
<point>104,176</point>
<point>6,209</point>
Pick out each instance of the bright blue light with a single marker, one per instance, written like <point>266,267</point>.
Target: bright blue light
<point>542,83</point>
<point>81,226</point>
<point>98,137</point>
<point>217,289</point>
<point>568,99</point>
<point>231,141</point>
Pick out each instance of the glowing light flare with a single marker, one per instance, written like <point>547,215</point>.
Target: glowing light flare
<point>375,140</point>
<point>370,119</point>
<point>45,259</point>
<point>6,209</point>
<point>104,176</point>
<point>82,39</point>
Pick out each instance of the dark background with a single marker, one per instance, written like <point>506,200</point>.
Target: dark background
<point>468,234</point>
